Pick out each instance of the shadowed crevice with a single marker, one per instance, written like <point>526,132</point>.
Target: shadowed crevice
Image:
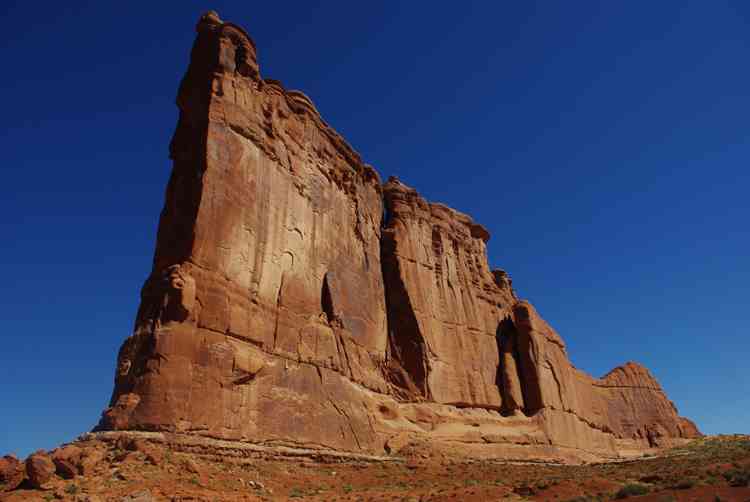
<point>326,300</point>
<point>406,352</point>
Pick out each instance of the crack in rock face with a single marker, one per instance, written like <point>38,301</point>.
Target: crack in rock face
<point>297,299</point>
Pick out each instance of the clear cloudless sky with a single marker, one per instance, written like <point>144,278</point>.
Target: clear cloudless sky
<point>604,144</point>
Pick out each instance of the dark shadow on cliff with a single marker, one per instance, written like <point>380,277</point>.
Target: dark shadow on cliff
<point>406,351</point>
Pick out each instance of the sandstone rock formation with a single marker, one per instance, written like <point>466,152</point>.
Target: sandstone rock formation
<point>296,300</point>
<point>444,303</point>
<point>67,460</point>
<point>39,468</point>
<point>12,472</point>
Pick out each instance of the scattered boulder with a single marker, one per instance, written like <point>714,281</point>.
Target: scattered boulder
<point>132,444</point>
<point>90,460</point>
<point>66,460</point>
<point>39,468</point>
<point>12,472</point>
<point>153,454</point>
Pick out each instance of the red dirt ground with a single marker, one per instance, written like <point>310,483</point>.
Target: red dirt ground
<point>702,471</point>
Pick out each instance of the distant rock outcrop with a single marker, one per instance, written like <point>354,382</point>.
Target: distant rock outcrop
<point>296,300</point>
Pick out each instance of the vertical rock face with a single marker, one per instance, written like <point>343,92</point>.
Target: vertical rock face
<point>627,403</point>
<point>270,225</point>
<point>642,408</point>
<point>296,300</point>
<point>445,304</point>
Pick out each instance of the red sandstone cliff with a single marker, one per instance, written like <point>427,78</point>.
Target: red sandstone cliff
<point>283,306</point>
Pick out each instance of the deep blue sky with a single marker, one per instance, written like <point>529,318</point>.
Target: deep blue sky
<point>604,144</point>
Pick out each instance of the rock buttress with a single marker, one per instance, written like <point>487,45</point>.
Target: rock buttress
<point>294,300</point>
<point>458,335</point>
<point>573,408</point>
<point>265,311</point>
<point>445,304</point>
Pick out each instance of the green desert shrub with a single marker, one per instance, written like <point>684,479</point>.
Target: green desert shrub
<point>738,477</point>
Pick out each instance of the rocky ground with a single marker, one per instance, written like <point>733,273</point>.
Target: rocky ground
<point>137,470</point>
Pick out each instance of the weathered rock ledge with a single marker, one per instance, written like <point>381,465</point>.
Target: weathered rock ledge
<point>298,302</point>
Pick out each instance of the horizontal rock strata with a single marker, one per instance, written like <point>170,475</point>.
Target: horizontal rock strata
<point>297,301</point>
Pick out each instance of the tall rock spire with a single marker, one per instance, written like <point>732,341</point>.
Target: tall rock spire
<point>295,300</point>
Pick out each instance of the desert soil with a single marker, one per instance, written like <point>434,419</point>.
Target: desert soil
<point>709,469</point>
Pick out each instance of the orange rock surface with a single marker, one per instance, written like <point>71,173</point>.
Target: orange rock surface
<point>296,300</point>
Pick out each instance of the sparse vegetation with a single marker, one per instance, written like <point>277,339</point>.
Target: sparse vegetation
<point>710,462</point>
<point>685,484</point>
<point>630,490</point>
<point>738,477</point>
